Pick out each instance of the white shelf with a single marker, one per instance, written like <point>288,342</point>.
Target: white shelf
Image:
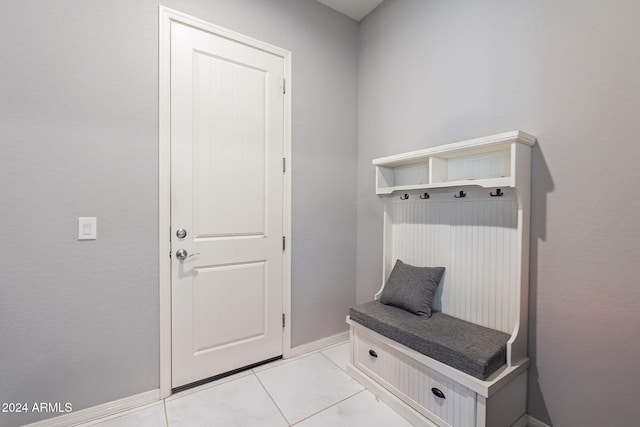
<point>486,162</point>
<point>485,183</point>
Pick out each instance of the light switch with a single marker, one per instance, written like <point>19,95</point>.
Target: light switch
<point>87,228</point>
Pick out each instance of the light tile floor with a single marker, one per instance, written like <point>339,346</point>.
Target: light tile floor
<point>312,390</point>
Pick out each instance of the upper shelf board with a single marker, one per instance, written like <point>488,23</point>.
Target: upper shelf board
<point>492,161</point>
<point>486,144</point>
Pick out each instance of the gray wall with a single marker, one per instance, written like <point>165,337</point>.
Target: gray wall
<point>78,119</point>
<point>433,72</point>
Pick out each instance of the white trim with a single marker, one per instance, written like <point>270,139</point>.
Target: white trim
<point>101,411</point>
<point>166,16</point>
<point>319,344</point>
<point>502,138</point>
<point>533,422</point>
<point>164,204</point>
<point>522,421</point>
<point>101,420</point>
<point>286,219</point>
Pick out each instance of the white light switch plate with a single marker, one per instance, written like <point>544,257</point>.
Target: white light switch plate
<point>87,228</point>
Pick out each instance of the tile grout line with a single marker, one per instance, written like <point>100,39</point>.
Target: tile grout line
<point>207,386</point>
<point>283,362</point>
<point>321,352</point>
<point>272,399</point>
<point>335,344</point>
<point>302,356</point>
<point>166,416</point>
<point>337,403</point>
<point>329,407</point>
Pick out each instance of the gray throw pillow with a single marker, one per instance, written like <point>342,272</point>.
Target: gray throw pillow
<point>412,288</point>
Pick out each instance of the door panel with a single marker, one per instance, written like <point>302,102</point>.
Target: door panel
<point>229,148</point>
<point>227,142</point>
<point>219,294</point>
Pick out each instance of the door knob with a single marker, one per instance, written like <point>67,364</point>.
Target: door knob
<point>181,254</point>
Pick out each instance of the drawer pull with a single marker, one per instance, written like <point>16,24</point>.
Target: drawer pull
<point>373,353</point>
<point>437,393</point>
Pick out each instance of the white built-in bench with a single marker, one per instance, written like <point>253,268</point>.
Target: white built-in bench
<point>463,206</point>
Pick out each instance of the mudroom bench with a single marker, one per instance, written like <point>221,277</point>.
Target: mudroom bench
<point>464,208</point>
<point>470,348</point>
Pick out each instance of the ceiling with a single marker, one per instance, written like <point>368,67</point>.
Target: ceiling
<point>356,9</point>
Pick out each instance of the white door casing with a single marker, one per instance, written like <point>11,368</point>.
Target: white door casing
<point>228,134</point>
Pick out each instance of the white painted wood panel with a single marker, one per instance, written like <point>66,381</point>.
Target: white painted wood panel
<point>229,147</point>
<point>411,174</point>
<point>219,294</point>
<point>415,381</point>
<point>476,245</point>
<point>490,165</point>
<point>457,408</point>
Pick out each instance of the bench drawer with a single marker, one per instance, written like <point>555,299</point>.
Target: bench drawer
<point>440,399</point>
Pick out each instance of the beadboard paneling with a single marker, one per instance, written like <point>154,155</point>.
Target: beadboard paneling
<point>474,238</point>
<point>414,382</point>
<point>229,148</point>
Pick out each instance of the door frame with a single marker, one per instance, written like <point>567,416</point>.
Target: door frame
<point>166,16</point>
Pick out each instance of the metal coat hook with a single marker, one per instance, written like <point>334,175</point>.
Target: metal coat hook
<point>461,195</point>
<point>499,193</point>
<point>426,196</point>
<point>405,197</point>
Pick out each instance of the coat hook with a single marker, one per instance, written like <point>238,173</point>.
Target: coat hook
<point>499,193</point>
<point>405,197</point>
<point>426,196</point>
<point>461,195</point>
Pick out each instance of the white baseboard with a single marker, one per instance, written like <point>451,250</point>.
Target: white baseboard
<point>317,345</point>
<point>523,421</point>
<point>100,411</point>
<point>532,422</point>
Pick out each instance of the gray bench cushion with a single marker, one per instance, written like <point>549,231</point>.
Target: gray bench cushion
<point>470,348</point>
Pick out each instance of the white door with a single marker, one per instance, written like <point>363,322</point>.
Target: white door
<point>227,136</point>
